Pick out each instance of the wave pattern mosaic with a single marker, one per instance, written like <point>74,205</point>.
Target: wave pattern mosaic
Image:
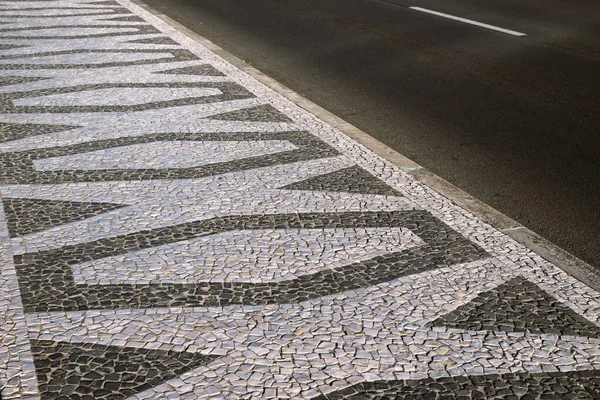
<point>171,228</point>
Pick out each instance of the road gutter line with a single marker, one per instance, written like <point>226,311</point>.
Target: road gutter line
<point>468,21</point>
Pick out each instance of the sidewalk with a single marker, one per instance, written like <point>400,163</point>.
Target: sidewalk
<point>170,227</point>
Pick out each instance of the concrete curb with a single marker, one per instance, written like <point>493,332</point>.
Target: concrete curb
<point>572,265</point>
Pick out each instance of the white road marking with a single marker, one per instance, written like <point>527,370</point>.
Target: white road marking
<point>468,21</point>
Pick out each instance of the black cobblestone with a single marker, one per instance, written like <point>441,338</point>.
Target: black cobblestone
<point>93,371</point>
<point>25,216</point>
<point>518,306</point>
<point>352,179</point>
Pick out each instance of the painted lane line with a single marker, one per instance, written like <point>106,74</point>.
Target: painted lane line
<point>468,21</point>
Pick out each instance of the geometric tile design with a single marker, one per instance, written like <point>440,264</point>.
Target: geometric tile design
<point>156,40</point>
<point>13,80</point>
<point>158,203</point>
<point>164,154</point>
<point>38,60</point>
<point>122,96</point>
<point>228,91</point>
<point>202,70</point>
<point>5,46</point>
<point>265,112</point>
<point>352,179</point>
<point>70,370</point>
<point>47,282</point>
<point>65,59</point>
<point>518,306</point>
<point>552,385</point>
<point>45,13</point>
<point>103,3</point>
<point>102,31</point>
<point>18,167</point>
<point>239,256</point>
<point>33,215</point>
<point>9,131</point>
<point>133,18</point>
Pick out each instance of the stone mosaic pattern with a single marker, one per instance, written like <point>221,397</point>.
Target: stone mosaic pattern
<point>9,132</point>
<point>352,179</point>
<point>171,228</point>
<point>67,370</point>
<point>563,386</point>
<point>519,306</point>
<point>35,215</point>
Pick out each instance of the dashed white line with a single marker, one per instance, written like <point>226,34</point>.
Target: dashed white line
<point>468,21</point>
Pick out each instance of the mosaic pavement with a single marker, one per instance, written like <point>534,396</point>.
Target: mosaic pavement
<point>171,228</point>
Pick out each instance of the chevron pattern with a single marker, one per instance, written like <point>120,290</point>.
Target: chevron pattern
<point>171,228</point>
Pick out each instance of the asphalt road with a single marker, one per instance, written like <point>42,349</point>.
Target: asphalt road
<point>514,121</point>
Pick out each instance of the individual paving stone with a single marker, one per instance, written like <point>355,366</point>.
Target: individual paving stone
<point>18,167</point>
<point>10,131</point>
<point>93,371</point>
<point>262,113</point>
<point>13,80</point>
<point>557,385</point>
<point>203,69</point>
<point>34,215</point>
<point>520,306</point>
<point>47,282</point>
<point>352,179</point>
<point>161,40</point>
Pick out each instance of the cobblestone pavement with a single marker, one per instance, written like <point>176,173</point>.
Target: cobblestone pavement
<point>171,228</point>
